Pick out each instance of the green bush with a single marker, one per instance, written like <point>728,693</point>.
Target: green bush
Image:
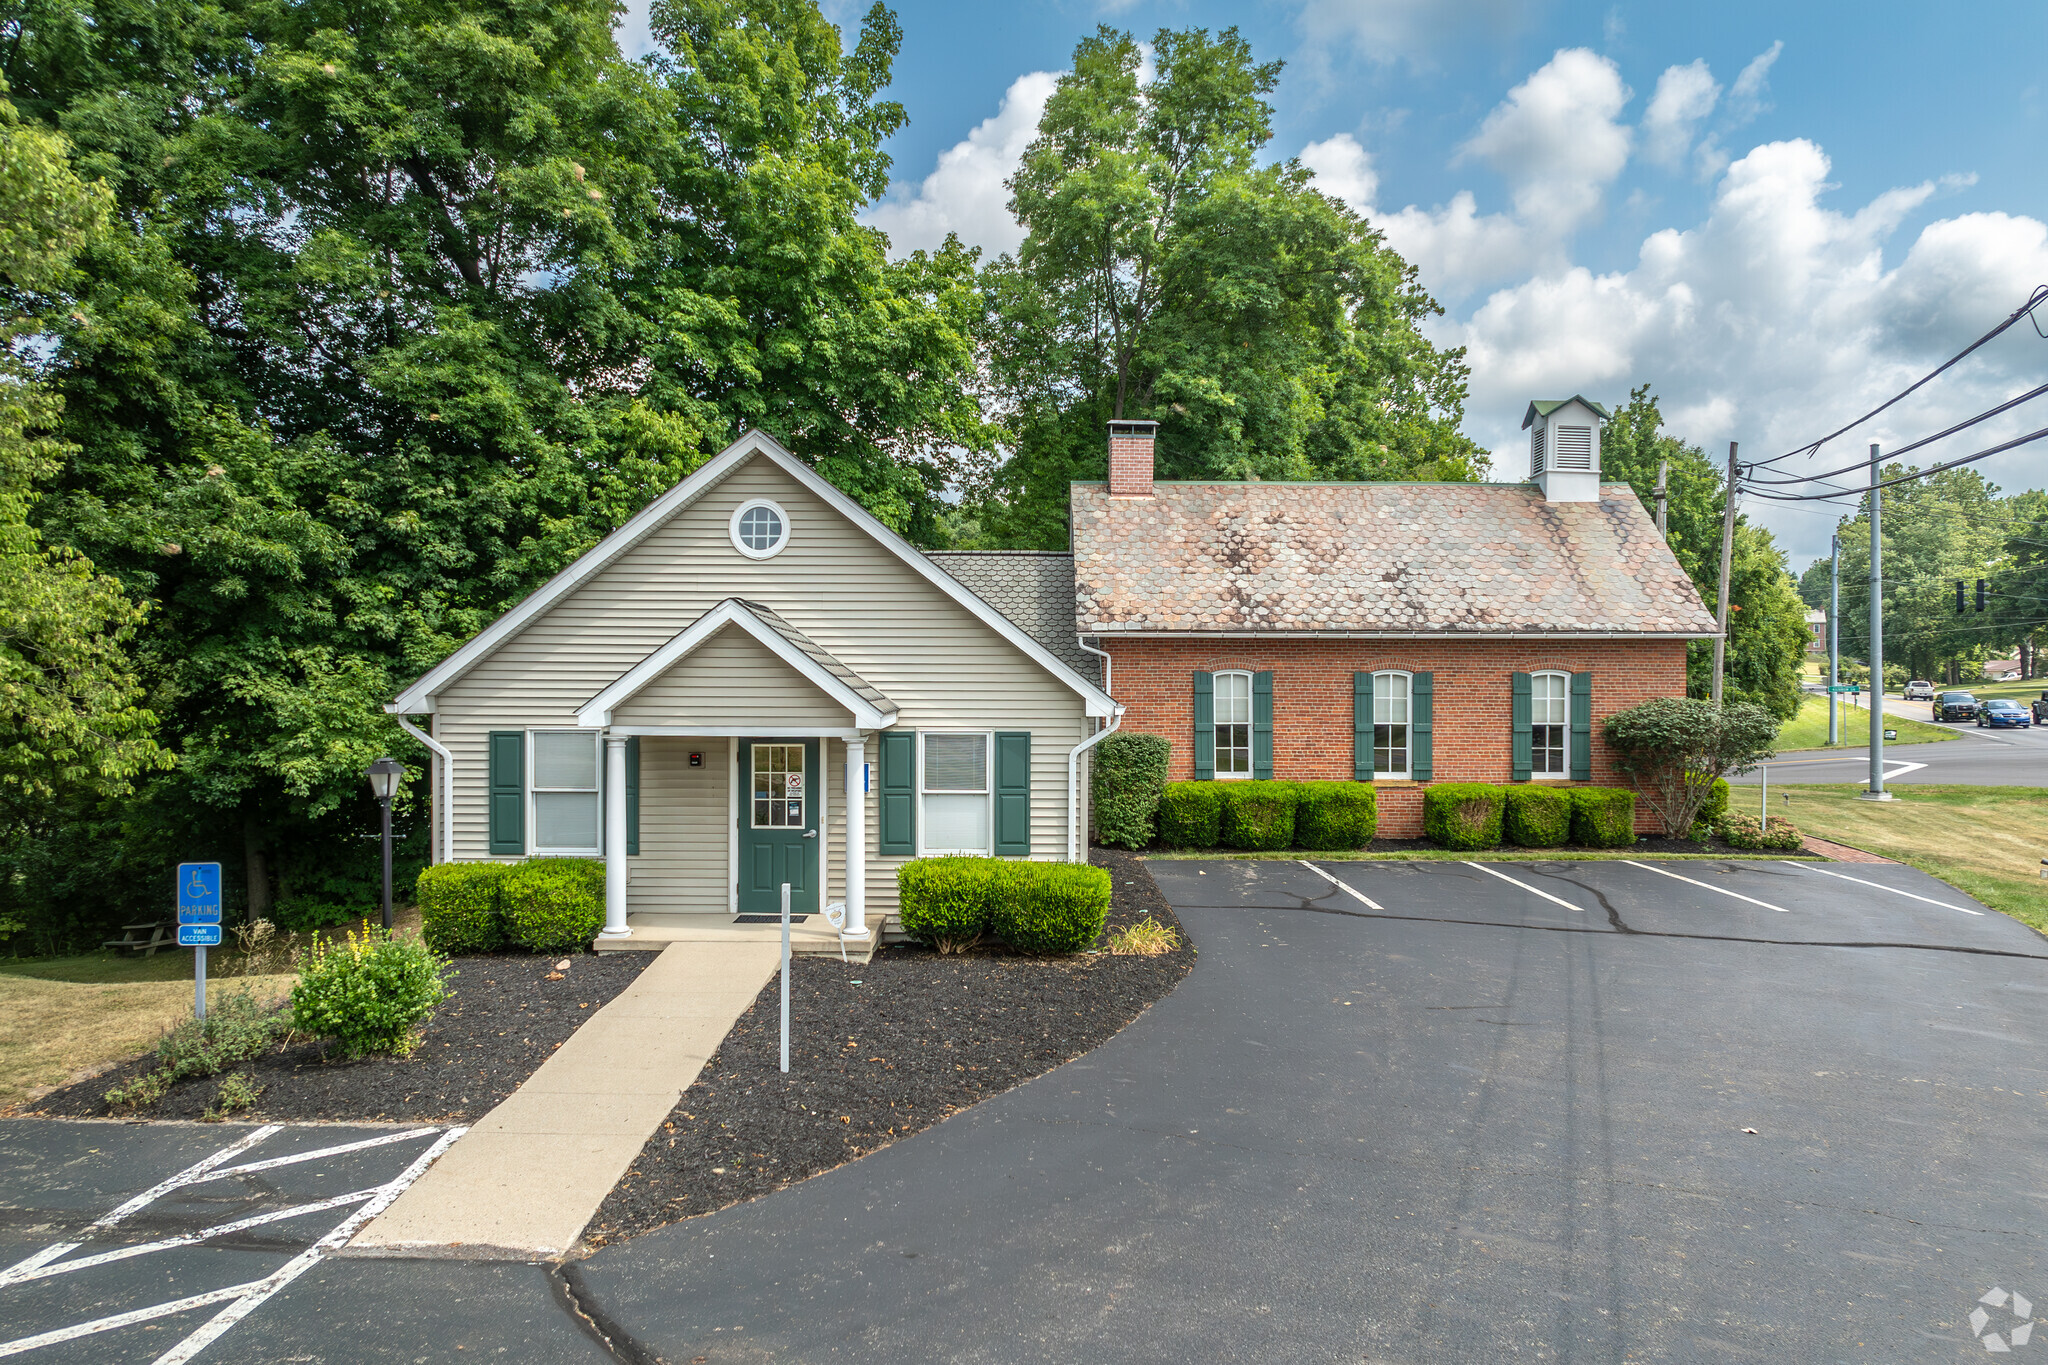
<point>237,1027</point>
<point>1743,831</point>
<point>1538,817</point>
<point>303,914</point>
<point>1717,802</point>
<point>1050,907</point>
<point>1190,815</point>
<point>1335,815</point>
<point>553,905</point>
<point>370,993</point>
<point>946,902</point>
<point>1463,815</point>
<point>459,906</point>
<point>1130,775</point>
<point>1603,817</point>
<point>1258,816</point>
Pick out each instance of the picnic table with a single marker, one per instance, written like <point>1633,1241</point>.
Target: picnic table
<point>145,938</point>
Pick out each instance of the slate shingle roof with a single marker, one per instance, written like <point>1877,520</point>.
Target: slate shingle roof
<point>1034,588</point>
<point>1455,558</point>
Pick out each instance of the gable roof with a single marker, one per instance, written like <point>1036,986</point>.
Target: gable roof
<point>1543,407</point>
<point>870,709</point>
<point>1034,588</point>
<point>420,695</point>
<point>1435,559</point>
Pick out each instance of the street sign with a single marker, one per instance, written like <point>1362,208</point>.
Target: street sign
<point>199,894</point>
<point>1847,688</point>
<point>199,936</point>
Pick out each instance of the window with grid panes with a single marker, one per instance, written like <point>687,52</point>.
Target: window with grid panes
<point>1550,715</point>
<point>1232,694</point>
<point>1392,702</point>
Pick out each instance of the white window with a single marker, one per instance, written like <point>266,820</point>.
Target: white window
<point>564,791</point>
<point>1392,712</point>
<point>954,790</point>
<point>1232,698</point>
<point>760,528</point>
<point>778,786</point>
<point>1550,724</point>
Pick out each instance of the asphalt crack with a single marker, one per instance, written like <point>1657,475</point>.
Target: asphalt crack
<point>574,1294</point>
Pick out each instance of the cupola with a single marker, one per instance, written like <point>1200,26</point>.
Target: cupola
<point>1564,447</point>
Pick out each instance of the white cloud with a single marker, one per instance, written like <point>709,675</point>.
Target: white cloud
<point>965,193</point>
<point>1746,96</point>
<point>1685,95</point>
<point>1344,169</point>
<point>1556,140</point>
<point>1399,30</point>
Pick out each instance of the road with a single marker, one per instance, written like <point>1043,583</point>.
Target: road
<point>1978,757</point>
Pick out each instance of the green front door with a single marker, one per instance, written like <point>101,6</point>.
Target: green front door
<point>778,825</point>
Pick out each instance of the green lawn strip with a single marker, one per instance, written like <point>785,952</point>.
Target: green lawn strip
<point>1809,729</point>
<point>1985,841</point>
<point>106,968</point>
<point>1488,855</point>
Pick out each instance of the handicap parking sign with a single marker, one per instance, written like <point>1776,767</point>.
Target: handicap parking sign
<point>199,936</point>
<point>198,898</point>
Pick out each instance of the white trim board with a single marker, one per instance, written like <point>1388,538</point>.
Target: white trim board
<point>597,712</point>
<point>420,696</point>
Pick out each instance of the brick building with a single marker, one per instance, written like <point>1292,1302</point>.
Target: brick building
<point>1393,633</point>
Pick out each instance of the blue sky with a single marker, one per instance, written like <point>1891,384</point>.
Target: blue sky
<point>1776,214</point>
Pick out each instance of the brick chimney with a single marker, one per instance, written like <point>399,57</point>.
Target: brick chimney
<point>1130,458</point>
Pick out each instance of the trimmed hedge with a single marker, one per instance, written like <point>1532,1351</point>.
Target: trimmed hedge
<point>1050,908</point>
<point>1033,907</point>
<point>1464,815</point>
<point>1335,815</point>
<point>1716,808</point>
<point>1538,817</point>
<point>1603,817</point>
<point>1743,831</point>
<point>1130,775</point>
<point>1190,815</point>
<point>459,911</point>
<point>1258,816</point>
<point>553,905</point>
<point>946,902</point>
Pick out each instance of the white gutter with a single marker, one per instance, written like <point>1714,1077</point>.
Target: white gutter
<point>444,790</point>
<point>1103,655</point>
<point>1074,782</point>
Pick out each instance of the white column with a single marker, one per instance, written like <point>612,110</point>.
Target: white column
<point>856,840</point>
<point>615,838</point>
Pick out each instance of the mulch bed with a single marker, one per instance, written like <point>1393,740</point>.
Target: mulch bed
<point>503,1020</point>
<point>880,1051</point>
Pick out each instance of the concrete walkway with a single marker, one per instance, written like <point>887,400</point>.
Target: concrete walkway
<point>527,1177</point>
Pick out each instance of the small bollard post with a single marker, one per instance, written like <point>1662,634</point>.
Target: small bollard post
<point>785,976</point>
<point>1765,769</point>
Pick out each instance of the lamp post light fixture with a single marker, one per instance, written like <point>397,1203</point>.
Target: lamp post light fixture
<point>384,775</point>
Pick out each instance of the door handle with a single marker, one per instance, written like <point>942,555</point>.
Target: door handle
<point>810,834</point>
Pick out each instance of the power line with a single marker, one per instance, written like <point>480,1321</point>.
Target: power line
<point>1986,415</point>
<point>2013,444</point>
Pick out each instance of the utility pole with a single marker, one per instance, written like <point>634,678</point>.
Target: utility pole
<point>1663,469</point>
<point>1834,638</point>
<point>1877,791</point>
<point>1727,551</point>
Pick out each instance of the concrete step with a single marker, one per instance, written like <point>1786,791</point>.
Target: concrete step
<point>813,938</point>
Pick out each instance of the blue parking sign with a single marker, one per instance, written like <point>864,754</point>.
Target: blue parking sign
<point>199,936</point>
<point>198,896</point>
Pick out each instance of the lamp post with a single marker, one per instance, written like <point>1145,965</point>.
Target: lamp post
<point>384,775</point>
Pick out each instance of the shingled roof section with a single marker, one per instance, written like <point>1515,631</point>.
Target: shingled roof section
<point>1034,588</point>
<point>1372,558</point>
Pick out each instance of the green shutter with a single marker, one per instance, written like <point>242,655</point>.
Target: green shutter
<point>1361,727</point>
<point>1262,726</point>
<point>508,793</point>
<point>1205,727</point>
<point>898,793</point>
<point>1582,727</point>
<point>1422,763</point>
<point>633,797</point>
<point>1518,717</point>
<point>1013,793</point>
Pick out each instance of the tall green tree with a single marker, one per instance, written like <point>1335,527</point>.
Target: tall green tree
<point>1950,527</point>
<point>1167,274</point>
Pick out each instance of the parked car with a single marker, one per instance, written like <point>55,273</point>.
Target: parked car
<point>1955,706</point>
<point>1919,690</point>
<point>1998,711</point>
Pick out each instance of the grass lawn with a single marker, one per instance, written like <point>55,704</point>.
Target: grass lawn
<point>1988,841</point>
<point>2022,692</point>
<point>1809,729</point>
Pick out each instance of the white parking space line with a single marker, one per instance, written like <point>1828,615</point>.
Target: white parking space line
<point>1526,887</point>
<point>1704,886</point>
<point>1345,887</point>
<point>1893,889</point>
<point>241,1299</point>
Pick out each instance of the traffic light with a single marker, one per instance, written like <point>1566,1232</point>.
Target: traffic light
<point>1981,594</point>
<point>1959,597</point>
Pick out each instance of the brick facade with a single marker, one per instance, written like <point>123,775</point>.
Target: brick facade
<point>1312,686</point>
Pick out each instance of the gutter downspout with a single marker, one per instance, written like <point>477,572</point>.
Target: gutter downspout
<point>445,789</point>
<point>1074,782</point>
<point>1103,655</point>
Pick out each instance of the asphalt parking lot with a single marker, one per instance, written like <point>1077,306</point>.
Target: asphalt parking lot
<point>1399,1112</point>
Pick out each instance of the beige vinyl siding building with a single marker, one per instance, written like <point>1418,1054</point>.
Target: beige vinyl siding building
<point>836,634</point>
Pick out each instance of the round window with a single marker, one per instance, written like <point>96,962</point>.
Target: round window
<point>759,529</point>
